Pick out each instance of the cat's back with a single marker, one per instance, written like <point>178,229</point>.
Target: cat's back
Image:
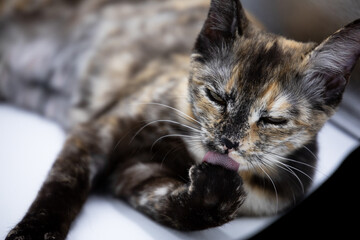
<point>139,42</point>
<point>146,28</point>
<point>90,50</point>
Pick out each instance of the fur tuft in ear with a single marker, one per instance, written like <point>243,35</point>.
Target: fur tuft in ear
<point>333,60</point>
<point>225,19</point>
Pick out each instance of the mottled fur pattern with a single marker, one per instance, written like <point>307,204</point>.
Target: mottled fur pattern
<point>145,88</point>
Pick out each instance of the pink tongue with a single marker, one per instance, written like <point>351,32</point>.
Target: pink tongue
<point>221,160</point>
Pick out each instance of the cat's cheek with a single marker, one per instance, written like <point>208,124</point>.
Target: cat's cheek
<point>290,146</point>
<point>239,159</point>
<point>196,151</point>
<point>254,135</point>
<point>259,202</point>
<point>291,143</point>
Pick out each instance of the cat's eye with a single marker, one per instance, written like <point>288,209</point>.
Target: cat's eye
<point>273,120</point>
<point>215,97</point>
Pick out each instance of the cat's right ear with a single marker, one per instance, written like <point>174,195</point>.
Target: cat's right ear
<point>331,62</point>
<point>225,20</point>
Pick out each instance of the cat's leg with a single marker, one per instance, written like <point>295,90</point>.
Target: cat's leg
<point>210,198</point>
<point>68,183</point>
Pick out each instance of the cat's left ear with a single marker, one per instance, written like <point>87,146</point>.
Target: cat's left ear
<point>225,19</point>
<point>332,61</point>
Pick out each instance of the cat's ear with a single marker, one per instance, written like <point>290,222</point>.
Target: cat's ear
<point>225,19</point>
<point>332,61</point>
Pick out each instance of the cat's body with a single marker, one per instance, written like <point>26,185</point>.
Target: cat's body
<point>88,51</point>
<point>142,115</point>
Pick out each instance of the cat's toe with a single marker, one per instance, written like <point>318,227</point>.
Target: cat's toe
<point>215,194</point>
<point>215,186</point>
<point>51,236</point>
<point>32,233</point>
<point>15,234</point>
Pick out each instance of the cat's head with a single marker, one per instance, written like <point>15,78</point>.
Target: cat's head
<point>257,94</point>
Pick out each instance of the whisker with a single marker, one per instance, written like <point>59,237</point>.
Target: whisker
<point>194,140</point>
<point>164,120</point>
<point>291,160</point>
<point>299,162</point>
<point>172,150</point>
<point>300,171</point>
<point>124,136</point>
<point>312,153</point>
<point>272,182</point>
<point>287,168</point>
<point>197,145</point>
<point>172,108</point>
<point>173,135</point>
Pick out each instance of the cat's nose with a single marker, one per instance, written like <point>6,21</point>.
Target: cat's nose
<point>229,144</point>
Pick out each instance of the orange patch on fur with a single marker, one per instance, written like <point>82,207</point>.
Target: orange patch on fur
<point>253,133</point>
<point>270,94</point>
<point>233,79</point>
<point>287,43</point>
<point>272,87</point>
<point>230,83</point>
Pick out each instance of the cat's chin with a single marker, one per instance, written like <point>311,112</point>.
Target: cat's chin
<point>234,155</point>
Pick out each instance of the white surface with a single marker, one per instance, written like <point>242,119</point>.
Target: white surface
<point>29,145</point>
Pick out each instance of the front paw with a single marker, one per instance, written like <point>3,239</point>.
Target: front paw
<point>215,194</point>
<point>30,231</point>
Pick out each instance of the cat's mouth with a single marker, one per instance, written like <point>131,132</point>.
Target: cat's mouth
<point>222,160</point>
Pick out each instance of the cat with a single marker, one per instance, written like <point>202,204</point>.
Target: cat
<point>192,119</point>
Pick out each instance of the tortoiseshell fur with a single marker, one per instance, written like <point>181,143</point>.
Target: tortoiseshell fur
<point>145,88</point>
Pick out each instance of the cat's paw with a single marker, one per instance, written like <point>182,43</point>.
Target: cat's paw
<point>215,193</point>
<point>212,185</point>
<point>27,231</point>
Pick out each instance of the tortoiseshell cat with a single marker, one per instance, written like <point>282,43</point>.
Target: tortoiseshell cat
<point>192,142</point>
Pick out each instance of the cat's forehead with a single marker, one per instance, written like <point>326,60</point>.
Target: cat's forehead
<point>264,62</point>
<point>264,58</point>
<point>251,65</point>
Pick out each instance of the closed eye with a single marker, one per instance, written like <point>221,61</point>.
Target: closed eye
<point>273,120</point>
<point>215,97</point>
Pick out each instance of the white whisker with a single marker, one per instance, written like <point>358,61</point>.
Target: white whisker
<point>173,135</point>
<point>272,182</point>
<point>298,162</point>
<point>300,171</point>
<point>311,152</point>
<point>291,160</point>
<point>168,121</point>
<point>287,168</point>
<point>177,110</point>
